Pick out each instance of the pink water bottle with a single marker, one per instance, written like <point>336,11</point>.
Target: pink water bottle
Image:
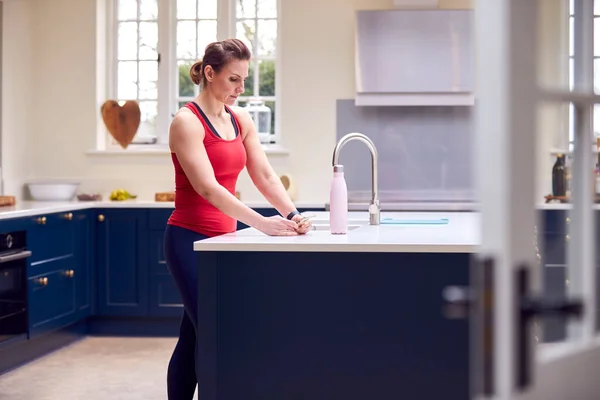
<point>338,202</point>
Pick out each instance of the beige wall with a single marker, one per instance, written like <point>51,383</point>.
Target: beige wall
<point>17,99</point>
<point>51,101</point>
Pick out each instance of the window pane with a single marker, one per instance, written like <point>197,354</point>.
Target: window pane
<point>186,86</point>
<point>148,123</point>
<point>596,127</point>
<point>245,31</point>
<point>267,9</point>
<point>186,9</point>
<point>271,105</point>
<point>246,8</point>
<point>571,123</point>
<point>182,103</point>
<point>571,73</point>
<point>127,41</point>
<point>267,37</point>
<point>207,9</point>
<point>149,10</point>
<point>127,9</point>
<point>148,40</point>
<point>571,37</point>
<point>207,33</point>
<point>249,82</point>
<point>596,7</point>
<point>597,76</point>
<point>597,36</point>
<point>267,78</point>
<point>148,80</point>
<point>127,80</point>
<point>186,40</point>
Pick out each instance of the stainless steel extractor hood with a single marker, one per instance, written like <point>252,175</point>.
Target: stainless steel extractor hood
<point>414,57</point>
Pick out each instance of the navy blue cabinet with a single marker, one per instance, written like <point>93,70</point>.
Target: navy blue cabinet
<point>122,262</point>
<point>59,270</point>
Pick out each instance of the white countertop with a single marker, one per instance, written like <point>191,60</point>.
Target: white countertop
<point>31,208</point>
<point>460,235</point>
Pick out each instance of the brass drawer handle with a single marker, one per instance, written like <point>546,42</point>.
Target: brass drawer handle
<point>43,281</point>
<point>68,216</point>
<point>41,220</point>
<point>70,273</point>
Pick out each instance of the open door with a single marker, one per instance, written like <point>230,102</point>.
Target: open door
<point>506,302</point>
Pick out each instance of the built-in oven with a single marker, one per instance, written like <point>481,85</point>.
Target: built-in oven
<point>13,284</point>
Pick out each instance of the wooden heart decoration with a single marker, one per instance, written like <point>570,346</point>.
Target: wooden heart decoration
<point>121,121</point>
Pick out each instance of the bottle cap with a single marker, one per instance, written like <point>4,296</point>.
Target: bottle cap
<point>338,168</point>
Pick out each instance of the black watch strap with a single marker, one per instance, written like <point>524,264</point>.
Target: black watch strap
<point>292,214</point>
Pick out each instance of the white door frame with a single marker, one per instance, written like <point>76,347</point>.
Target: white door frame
<point>508,97</point>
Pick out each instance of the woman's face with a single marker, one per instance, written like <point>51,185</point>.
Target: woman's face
<point>228,84</point>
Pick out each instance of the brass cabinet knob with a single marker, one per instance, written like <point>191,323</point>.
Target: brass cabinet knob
<point>568,220</point>
<point>68,216</point>
<point>567,238</point>
<point>41,220</point>
<point>100,218</point>
<point>43,281</point>
<point>69,273</point>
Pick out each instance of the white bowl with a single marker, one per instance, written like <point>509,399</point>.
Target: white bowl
<point>41,191</point>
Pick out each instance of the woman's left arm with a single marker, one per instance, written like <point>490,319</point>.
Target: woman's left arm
<point>262,174</point>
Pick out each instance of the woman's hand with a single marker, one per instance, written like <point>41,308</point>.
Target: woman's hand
<point>278,226</point>
<point>304,223</point>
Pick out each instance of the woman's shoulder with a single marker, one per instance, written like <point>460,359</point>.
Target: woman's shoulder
<point>184,122</point>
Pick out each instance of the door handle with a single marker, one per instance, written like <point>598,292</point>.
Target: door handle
<point>16,256</point>
<point>531,308</point>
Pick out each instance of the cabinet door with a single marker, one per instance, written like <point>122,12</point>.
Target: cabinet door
<point>83,263</point>
<point>164,299</point>
<point>122,262</point>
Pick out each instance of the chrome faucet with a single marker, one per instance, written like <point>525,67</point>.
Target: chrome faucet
<point>374,208</point>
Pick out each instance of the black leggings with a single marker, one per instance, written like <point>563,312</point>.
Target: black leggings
<point>182,263</point>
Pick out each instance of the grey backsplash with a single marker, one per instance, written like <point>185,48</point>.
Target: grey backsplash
<point>424,152</point>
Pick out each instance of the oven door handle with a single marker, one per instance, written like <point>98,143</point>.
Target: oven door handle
<point>17,256</point>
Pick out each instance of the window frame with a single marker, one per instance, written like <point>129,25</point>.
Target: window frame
<point>168,76</point>
<point>571,72</point>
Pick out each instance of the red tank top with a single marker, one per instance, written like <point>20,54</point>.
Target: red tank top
<point>228,158</point>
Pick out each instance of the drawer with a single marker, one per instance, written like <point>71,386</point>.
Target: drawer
<point>51,300</point>
<point>51,236</point>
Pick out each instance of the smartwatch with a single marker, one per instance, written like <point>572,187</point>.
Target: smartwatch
<point>292,214</point>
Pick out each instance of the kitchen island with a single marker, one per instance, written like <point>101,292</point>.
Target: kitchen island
<point>321,316</point>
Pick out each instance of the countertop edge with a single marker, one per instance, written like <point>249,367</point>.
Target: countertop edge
<point>335,248</point>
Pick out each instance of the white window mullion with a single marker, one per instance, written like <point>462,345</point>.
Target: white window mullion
<point>166,82</point>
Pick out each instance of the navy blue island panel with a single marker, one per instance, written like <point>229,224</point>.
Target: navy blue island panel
<point>322,326</point>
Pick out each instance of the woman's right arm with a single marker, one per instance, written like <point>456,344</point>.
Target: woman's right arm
<point>186,137</point>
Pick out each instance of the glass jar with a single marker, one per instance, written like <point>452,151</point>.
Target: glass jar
<point>261,114</point>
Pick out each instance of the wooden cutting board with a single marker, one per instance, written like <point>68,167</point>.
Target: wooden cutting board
<point>7,201</point>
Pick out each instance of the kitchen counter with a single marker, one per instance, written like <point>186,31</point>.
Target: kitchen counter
<point>459,235</point>
<point>30,208</point>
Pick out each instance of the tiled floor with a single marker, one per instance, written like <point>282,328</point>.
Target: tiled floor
<point>95,369</point>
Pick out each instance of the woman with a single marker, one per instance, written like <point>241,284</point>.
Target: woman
<point>211,142</point>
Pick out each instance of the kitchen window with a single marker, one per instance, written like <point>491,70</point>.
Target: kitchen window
<point>153,44</point>
<point>596,120</point>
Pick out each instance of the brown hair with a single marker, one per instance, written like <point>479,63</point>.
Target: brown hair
<point>217,55</point>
